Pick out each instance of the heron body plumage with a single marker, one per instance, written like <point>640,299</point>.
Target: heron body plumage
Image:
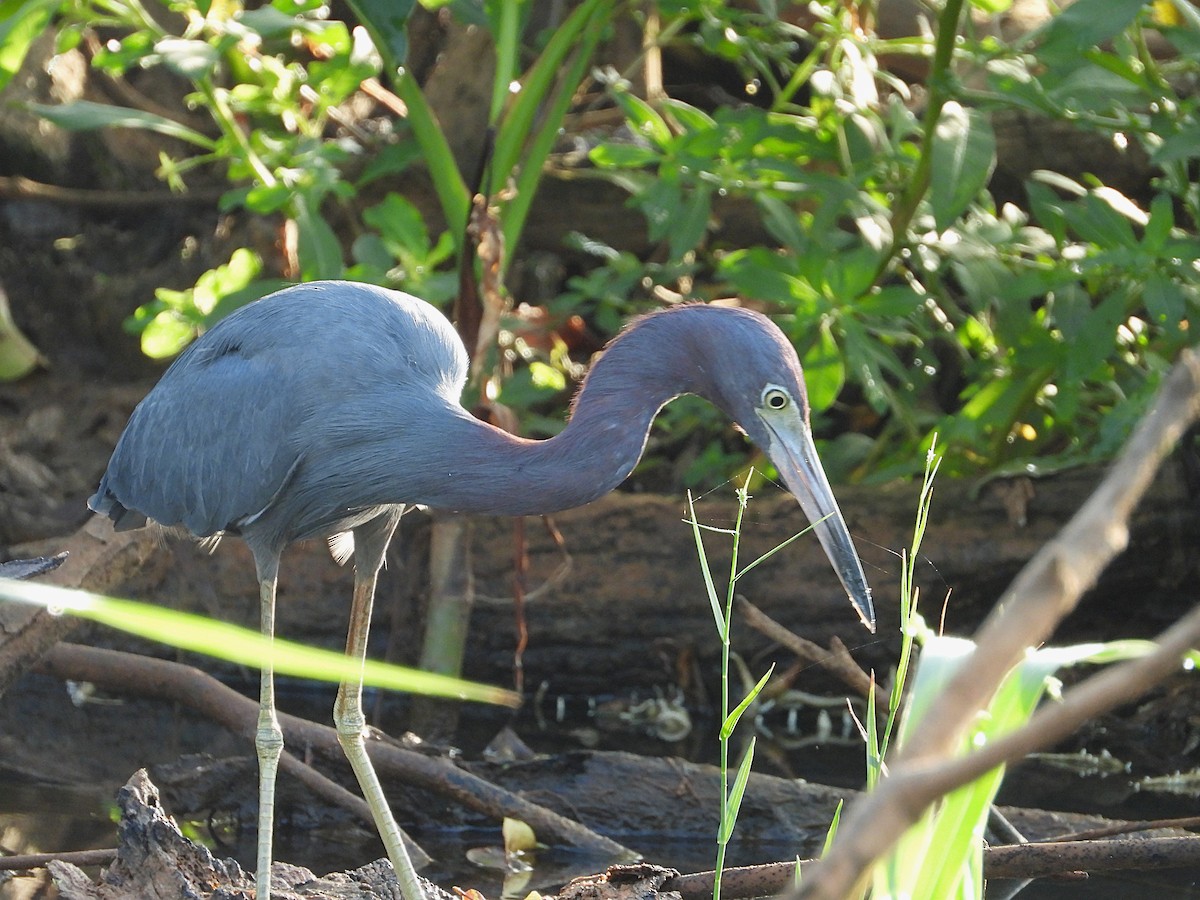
<point>328,407</point>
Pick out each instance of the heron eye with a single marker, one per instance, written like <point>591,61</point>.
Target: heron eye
<point>776,398</point>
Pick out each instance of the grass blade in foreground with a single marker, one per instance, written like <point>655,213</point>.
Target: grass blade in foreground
<point>233,643</point>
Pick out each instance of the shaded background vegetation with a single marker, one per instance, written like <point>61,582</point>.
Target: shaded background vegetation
<point>976,219</point>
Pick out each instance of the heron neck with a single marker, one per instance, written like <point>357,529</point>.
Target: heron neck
<point>495,473</point>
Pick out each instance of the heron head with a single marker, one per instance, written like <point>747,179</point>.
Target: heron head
<point>753,373</point>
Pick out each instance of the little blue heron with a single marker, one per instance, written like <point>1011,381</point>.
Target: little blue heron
<point>327,408</point>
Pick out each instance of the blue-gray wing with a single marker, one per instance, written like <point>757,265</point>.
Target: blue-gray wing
<point>286,393</point>
<point>210,445</point>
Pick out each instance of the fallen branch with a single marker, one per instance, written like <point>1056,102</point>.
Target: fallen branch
<point>98,559</point>
<point>116,671</point>
<point>25,861</point>
<point>1032,860</point>
<point>1046,590</point>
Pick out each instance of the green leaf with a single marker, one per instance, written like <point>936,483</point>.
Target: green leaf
<point>688,116</point>
<point>505,18</point>
<point>387,23</point>
<point>166,335</point>
<point>824,369</point>
<point>21,22</point>
<point>623,156</point>
<point>447,180</point>
<point>18,356</point>
<point>692,222</point>
<point>1166,303</point>
<point>713,600</point>
<point>731,720</point>
<point>318,248</point>
<point>736,793</point>
<point>1162,221</point>
<point>1085,24</point>
<point>222,640</point>
<point>589,18</point>
<point>643,119</point>
<point>84,115</point>
<point>963,157</point>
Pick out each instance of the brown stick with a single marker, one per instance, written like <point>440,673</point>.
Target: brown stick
<point>19,187</point>
<point>98,559</point>
<point>184,684</point>
<point>1055,858</point>
<point>1046,590</point>
<point>837,660</point>
<point>25,861</point>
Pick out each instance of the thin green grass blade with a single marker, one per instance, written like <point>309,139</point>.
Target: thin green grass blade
<point>243,646</point>
<point>732,719</point>
<point>447,180</point>
<point>541,79</point>
<point>709,586</point>
<point>871,726</point>
<point>779,547</point>
<point>539,148</point>
<point>736,793</point>
<point>832,832</point>
<point>507,38</point>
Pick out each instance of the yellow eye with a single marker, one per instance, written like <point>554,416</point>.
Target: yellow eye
<point>776,398</point>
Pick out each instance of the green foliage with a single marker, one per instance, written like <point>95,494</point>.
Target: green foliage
<point>272,80</point>
<point>1029,335</point>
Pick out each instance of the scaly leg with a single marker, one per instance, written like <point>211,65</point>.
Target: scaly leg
<point>370,543</point>
<point>268,738</point>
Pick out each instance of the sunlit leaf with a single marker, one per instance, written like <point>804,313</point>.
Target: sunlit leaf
<point>241,645</point>
<point>21,23</point>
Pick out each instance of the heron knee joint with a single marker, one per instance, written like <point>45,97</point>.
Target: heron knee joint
<point>268,739</point>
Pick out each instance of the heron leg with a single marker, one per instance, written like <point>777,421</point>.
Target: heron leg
<point>370,543</point>
<point>268,737</point>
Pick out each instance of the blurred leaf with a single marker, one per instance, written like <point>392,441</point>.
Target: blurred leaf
<point>964,155</point>
<point>21,23</point>
<point>643,118</point>
<point>222,640</point>
<point>1166,303</point>
<point>692,222</point>
<point>1085,24</point>
<point>688,116</point>
<point>317,247</point>
<point>824,370</point>
<point>166,335</point>
<point>387,23</point>
<point>84,115</point>
<point>191,59</point>
<point>447,180</point>
<point>18,356</point>
<point>624,156</point>
<point>518,836</point>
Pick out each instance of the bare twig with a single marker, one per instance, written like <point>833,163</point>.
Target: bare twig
<point>836,660</point>
<point>1046,590</point>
